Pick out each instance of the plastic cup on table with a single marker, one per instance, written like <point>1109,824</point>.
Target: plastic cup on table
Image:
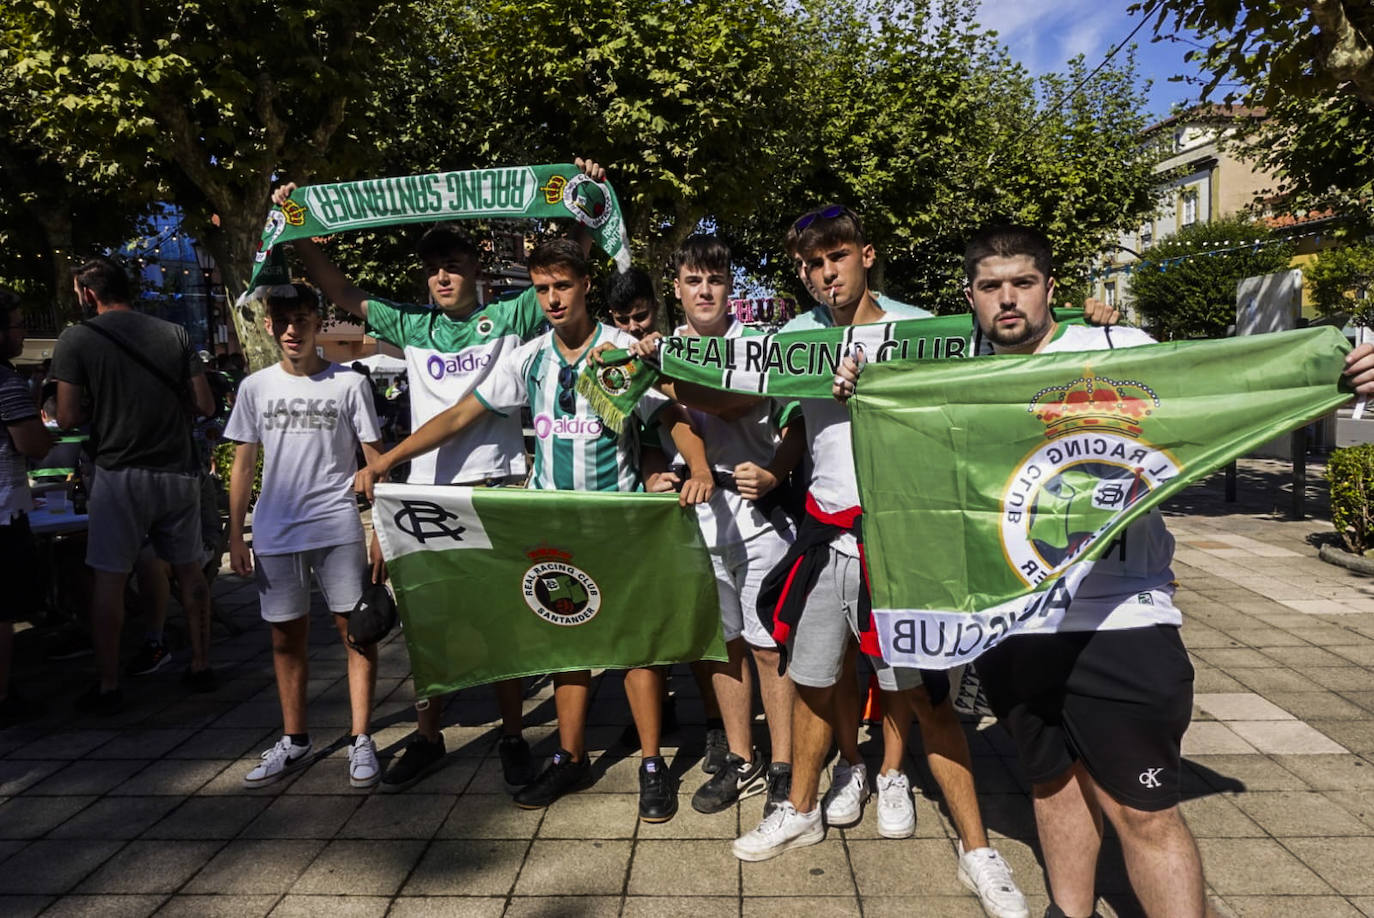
<point>59,502</point>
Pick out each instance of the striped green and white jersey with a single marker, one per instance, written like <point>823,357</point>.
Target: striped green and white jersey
<point>573,450</point>
<point>446,358</point>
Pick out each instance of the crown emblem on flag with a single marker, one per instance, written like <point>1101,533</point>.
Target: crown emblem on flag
<point>544,552</point>
<point>1094,403</point>
<point>295,213</point>
<point>553,191</point>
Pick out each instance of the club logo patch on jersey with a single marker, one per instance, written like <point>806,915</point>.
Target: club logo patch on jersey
<point>485,326</point>
<point>1094,466</point>
<point>586,200</point>
<point>557,591</point>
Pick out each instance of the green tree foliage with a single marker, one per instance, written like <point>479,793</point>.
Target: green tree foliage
<point>1351,473</point>
<point>1310,63</point>
<point>1186,286</point>
<point>208,100</point>
<point>928,128</point>
<point>1341,281</point>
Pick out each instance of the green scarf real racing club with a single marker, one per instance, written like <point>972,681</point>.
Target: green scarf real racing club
<point>557,190</point>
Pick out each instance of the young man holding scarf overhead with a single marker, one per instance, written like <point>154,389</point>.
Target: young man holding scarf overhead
<point>577,453</point>
<point>450,347</point>
<point>1097,709</point>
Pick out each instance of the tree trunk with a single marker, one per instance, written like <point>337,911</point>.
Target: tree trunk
<point>233,244</point>
<point>1346,33</point>
<point>57,230</point>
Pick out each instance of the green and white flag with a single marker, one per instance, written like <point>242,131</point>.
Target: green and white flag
<point>493,583</point>
<point>990,485</point>
<point>558,190</point>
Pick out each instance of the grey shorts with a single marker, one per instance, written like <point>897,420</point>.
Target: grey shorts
<point>284,580</point>
<point>130,506</point>
<point>740,570</point>
<point>828,623</point>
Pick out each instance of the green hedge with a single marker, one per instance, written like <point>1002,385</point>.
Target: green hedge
<point>224,465</point>
<point>1351,473</point>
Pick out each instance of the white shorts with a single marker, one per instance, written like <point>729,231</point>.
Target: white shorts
<point>740,570</point>
<point>284,580</point>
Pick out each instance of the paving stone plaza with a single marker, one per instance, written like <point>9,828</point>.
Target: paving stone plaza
<point>144,813</point>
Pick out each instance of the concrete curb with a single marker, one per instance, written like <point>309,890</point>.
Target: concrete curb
<point>1332,555</point>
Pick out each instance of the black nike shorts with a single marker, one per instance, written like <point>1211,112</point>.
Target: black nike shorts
<point>1118,701</point>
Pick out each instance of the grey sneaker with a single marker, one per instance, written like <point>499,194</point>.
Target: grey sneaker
<point>737,780</point>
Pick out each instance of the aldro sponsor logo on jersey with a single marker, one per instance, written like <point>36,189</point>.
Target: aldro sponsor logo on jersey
<point>1095,465</point>
<point>439,366</point>
<point>557,591</point>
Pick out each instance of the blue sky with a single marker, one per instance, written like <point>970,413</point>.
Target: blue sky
<point>1044,34</point>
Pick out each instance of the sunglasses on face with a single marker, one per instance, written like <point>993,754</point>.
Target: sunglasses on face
<point>567,396</point>
<point>824,213</point>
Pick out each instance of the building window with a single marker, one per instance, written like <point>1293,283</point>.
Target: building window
<point>1188,207</point>
<point>1147,235</point>
<point>1109,293</point>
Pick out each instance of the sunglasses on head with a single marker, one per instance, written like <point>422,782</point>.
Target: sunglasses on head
<point>824,213</point>
<point>567,395</point>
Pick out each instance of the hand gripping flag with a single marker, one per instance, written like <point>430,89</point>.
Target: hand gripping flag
<point>494,583</point>
<point>558,190</point>
<point>989,486</point>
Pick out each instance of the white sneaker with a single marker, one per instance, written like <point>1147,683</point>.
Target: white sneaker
<point>896,813</point>
<point>780,830</point>
<point>988,876</point>
<point>363,770</point>
<point>278,762</point>
<point>844,802</point>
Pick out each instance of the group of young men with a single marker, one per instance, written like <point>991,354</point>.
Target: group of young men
<point>1091,710</point>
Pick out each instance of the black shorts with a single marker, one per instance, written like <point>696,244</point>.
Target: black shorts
<point>19,571</point>
<point>1119,701</point>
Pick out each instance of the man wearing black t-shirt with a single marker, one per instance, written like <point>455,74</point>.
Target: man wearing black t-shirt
<point>145,385</point>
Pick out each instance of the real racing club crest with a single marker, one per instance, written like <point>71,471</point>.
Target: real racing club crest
<point>557,591</point>
<point>1094,465</point>
<point>586,200</point>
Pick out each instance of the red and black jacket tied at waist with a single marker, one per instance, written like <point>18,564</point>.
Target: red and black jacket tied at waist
<point>782,598</point>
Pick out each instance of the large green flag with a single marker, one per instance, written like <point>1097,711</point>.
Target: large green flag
<point>493,583</point>
<point>990,485</point>
<point>557,190</point>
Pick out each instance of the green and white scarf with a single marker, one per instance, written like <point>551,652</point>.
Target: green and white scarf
<point>557,190</point>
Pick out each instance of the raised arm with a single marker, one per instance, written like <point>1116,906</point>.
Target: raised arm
<point>335,285</point>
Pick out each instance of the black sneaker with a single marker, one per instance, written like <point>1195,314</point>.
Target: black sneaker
<point>657,791</point>
<point>779,786</point>
<point>717,748</point>
<point>418,759</point>
<point>737,780</point>
<point>151,657</point>
<point>517,765</point>
<point>202,681</point>
<point>562,776</point>
<point>94,701</point>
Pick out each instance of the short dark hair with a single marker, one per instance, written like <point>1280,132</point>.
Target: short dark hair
<point>105,278</point>
<point>701,250</point>
<point>623,288</point>
<point>1007,240</point>
<point>559,253</point>
<point>443,240</point>
<point>814,230</point>
<point>302,297</point>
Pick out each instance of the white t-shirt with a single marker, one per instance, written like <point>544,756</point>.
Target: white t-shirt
<point>309,428</point>
<point>833,484</point>
<point>727,518</point>
<point>573,450</point>
<point>1131,584</point>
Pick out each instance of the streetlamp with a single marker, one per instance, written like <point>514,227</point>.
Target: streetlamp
<point>206,263</point>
